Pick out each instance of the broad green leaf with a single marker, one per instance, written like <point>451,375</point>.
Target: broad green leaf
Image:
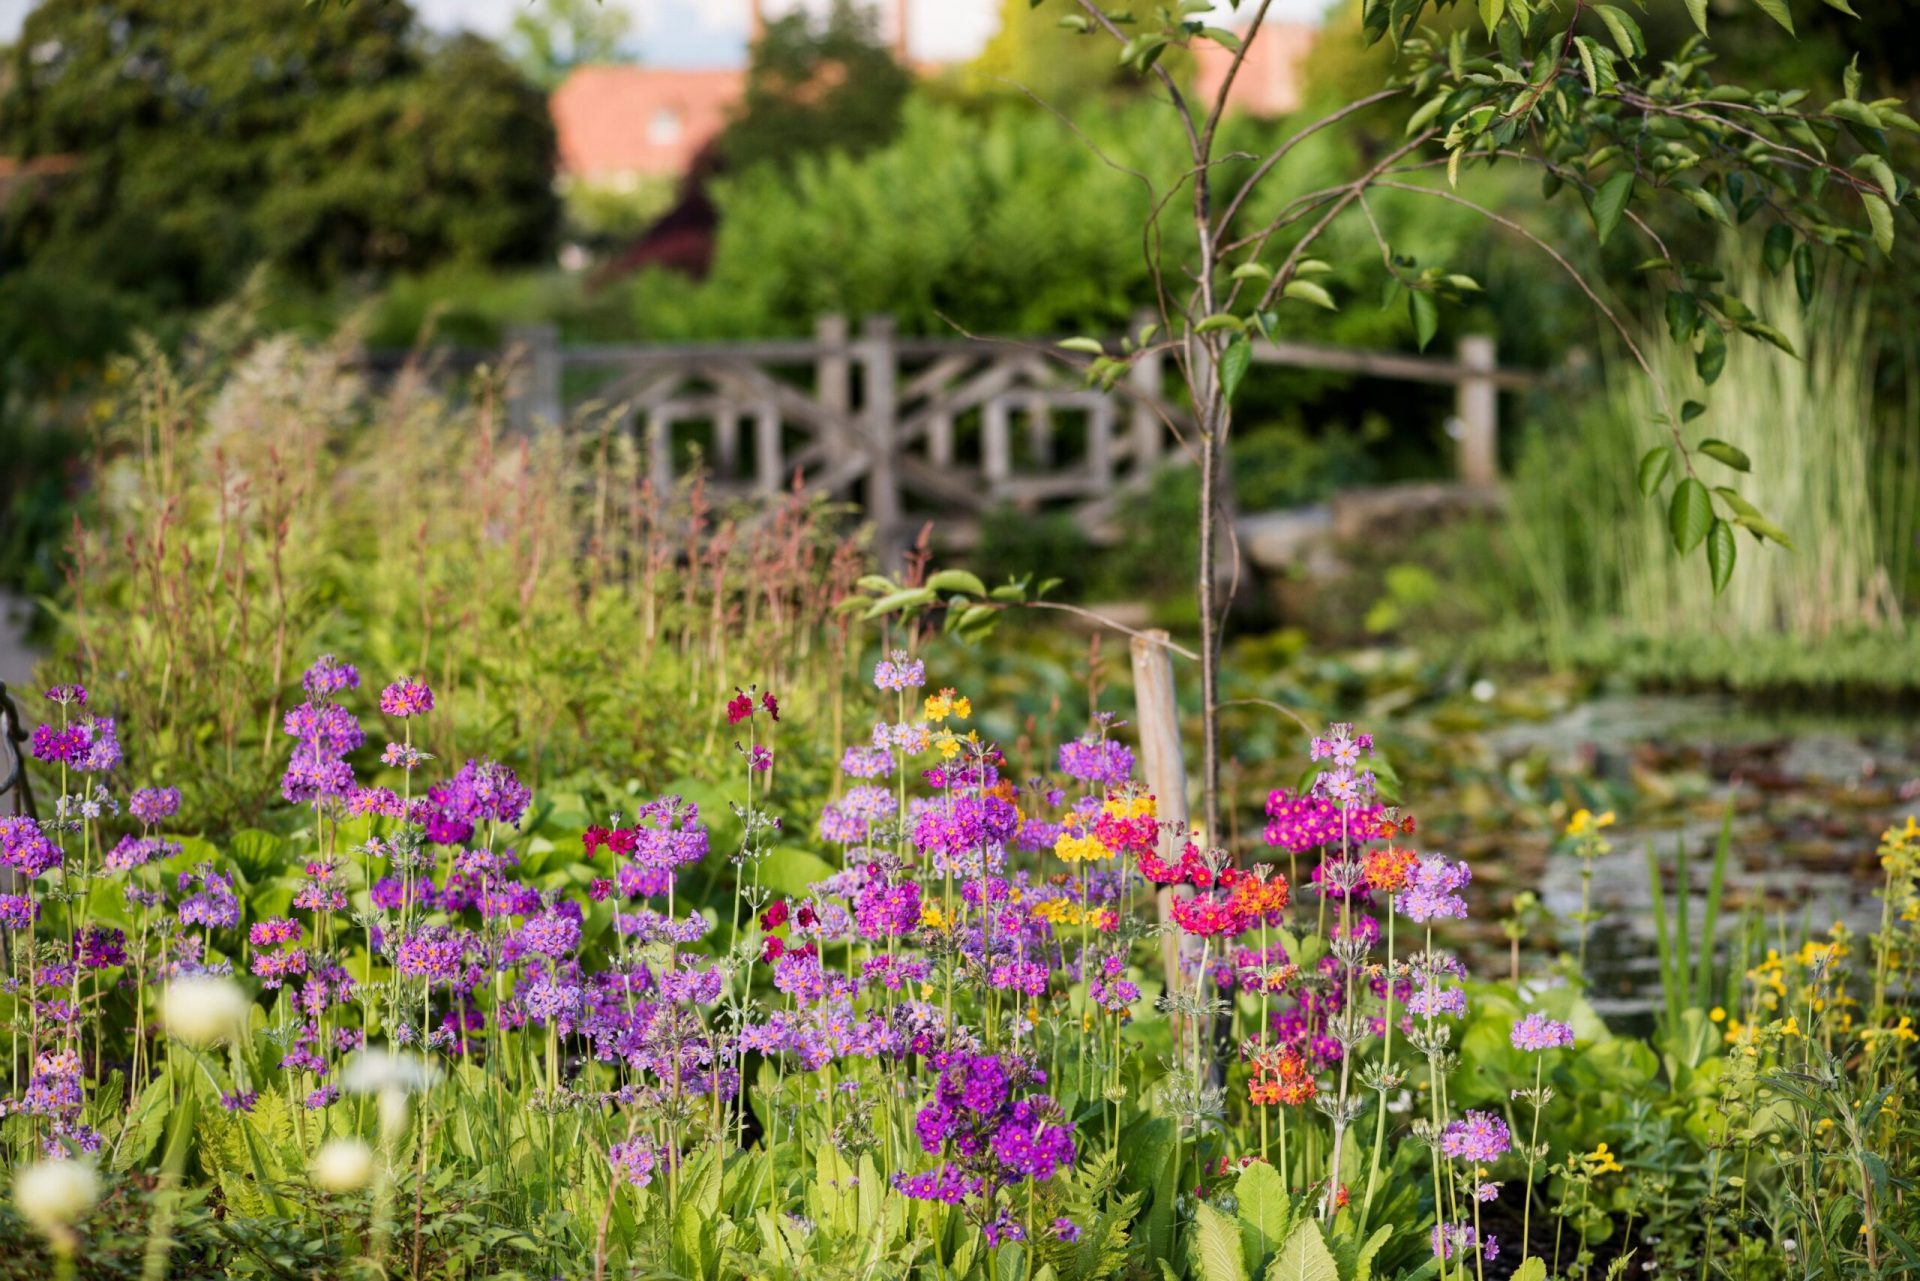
<point>1304,1257</point>
<point>1609,202</point>
<point>1880,214</point>
<point>1625,31</point>
<point>1689,514</point>
<point>1265,1211</point>
<point>1363,1265</point>
<point>1533,1268</point>
<point>1881,172</point>
<point>1691,410</point>
<point>1721,452</point>
<point>1721,553</point>
<point>1253,271</point>
<point>904,599</point>
<point>957,580</point>
<point>1216,1246</point>
<point>1491,11</point>
<point>1712,356</point>
<point>1218,321</point>
<point>1091,346</point>
<point>1803,272</point>
<point>1654,466</point>
<point>1233,366</point>
<point>1426,316</point>
<point>1778,248</point>
<point>1309,291</point>
<point>1698,10</point>
<point>1778,11</point>
<point>1704,201</point>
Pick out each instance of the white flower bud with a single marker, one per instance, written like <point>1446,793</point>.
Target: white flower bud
<point>342,1165</point>
<point>393,1113</point>
<point>52,1194</point>
<point>203,1009</point>
<point>374,1071</point>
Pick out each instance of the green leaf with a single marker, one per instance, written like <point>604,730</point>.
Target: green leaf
<point>906,598</point>
<point>1304,1257</point>
<point>1265,1211</point>
<point>1218,321</point>
<point>1091,346</point>
<point>1363,1263</point>
<point>956,580</point>
<point>1704,201</point>
<point>1233,365</point>
<point>1712,356</point>
<point>1309,291</point>
<point>1253,271</point>
<point>1533,1268</point>
<point>1721,552</point>
<point>1609,202</point>
<point>1778,11</point>
<point>1625,31</point>
<point>1698,10</point>
<point>1880,214</point>
<point>1778,248</point>
<point>1691,410</point>
<point>1491,11</point>
<point>1216,1246</point>
<point>1654,466</point>
<point>1721,452</point>
<point>1881,172</point>
<point>1426,316</point>
<point>1803,272</point>
<point>1689,514</point>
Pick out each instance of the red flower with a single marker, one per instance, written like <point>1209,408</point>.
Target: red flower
<point>772,704</point>
<point>600,889</point>
<point>593,838</point>
<point>739,708</point>
<point>775,916</point>
<point>772,950</point>
<point>805,916</point>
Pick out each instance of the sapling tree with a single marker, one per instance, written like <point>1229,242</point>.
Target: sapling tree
<point>1565,87</point>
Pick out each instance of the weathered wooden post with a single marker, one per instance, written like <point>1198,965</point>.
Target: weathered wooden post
<point>534,391</point>
<point>768,461</point>
<point>1157,718</point>
<point>1477,409</point>
<point>879,388</point>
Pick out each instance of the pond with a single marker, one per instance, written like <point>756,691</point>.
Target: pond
<point>1810,797</point>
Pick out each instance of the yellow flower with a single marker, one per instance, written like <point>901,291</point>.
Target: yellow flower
<point>1717,1014</point>
<point>931,916</point>
<point>1600,1161</point>
<point>1585,823</point>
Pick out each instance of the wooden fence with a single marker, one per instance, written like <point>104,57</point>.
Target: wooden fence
<point>914,428</point>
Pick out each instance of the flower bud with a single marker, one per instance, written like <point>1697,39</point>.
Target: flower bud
<point>52,1194</point>
<point>342,1165</point>
<point>203,1009</point>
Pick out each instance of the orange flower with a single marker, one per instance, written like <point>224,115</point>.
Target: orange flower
<point>1388,868</point>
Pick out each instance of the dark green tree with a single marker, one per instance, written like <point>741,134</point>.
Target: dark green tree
<point>814,86</point>
<point>206,138</point>
<point>549,38</point>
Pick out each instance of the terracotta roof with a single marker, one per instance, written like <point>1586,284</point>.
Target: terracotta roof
<point>1270,83</point>
<point>619,121</point>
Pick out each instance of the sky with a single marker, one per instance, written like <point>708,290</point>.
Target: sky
<point>699,33</point>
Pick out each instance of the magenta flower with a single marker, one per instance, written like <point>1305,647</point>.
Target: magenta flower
<point>1480,1137</point>
<point>406,698</point>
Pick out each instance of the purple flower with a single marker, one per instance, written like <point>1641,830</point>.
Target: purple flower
<point>899,671</point>
<point>1096,760</point>
<point>68,695</point>
<point>406,698</point>
<point>633,1161</point>
<point>1538,1032</point>
<point>1433,889</point>
<point>26,848</point>
<point>329,676</point>
<point>866,762</point>
<point>1480,1137</point>
<point>154,804</point>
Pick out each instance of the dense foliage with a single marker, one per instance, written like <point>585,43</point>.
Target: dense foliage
<point>328,139</point>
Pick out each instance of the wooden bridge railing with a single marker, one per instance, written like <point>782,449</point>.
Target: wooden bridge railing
<point>953,426</point>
